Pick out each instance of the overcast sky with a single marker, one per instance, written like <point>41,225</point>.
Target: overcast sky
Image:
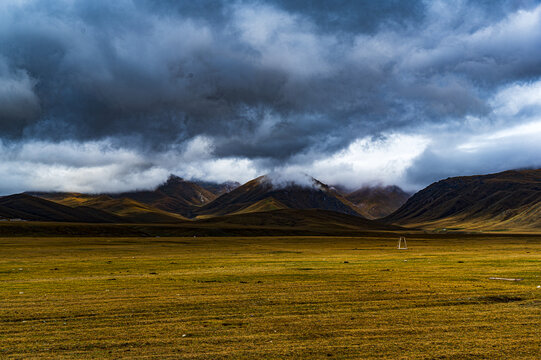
<point>99,96</point>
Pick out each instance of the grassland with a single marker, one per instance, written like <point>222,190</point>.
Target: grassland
<point>271,298</point>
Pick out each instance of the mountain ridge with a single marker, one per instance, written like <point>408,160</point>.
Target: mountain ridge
<point>509,199</point>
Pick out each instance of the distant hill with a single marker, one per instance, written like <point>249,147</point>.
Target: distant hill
<point>128,209</point>
<point>27,207</point>
<point>261,194</point>
<point>134,211</point>
<point>506,200</point>
<point>176,195</point>
<point>378,201</point>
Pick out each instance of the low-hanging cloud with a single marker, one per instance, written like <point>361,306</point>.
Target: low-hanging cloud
<point>259,85</point>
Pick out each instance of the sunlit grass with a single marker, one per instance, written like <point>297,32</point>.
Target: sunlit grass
<point>259,298</point>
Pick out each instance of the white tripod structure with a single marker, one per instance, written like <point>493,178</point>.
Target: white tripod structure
<point>402,240</point>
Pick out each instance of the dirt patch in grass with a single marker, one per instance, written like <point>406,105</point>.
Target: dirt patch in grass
<point>500,299</point>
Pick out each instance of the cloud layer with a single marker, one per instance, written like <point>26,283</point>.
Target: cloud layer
<point>110,96</point>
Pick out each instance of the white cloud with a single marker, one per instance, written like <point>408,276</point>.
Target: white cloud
<point>98,167</point>
<point>70,166</point>
<point>516,117</point>
<point>365,161</point>
<point>511,100</point>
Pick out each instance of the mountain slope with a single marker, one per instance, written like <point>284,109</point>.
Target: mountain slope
<point>317,196</point>
<point>507,200</point>
<point>267,204</point>
<point>218,188</point>
<point>129,210</point>
<point>26,207</point>
<point>176,195</point>
<point>378,201</point>
<point>134,211</point>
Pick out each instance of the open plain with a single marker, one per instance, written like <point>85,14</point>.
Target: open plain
<point>271,297</point>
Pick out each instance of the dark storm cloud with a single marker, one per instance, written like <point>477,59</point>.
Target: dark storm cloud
<point>18,103</point>
<point>258,79</point>
<point>356,16</point>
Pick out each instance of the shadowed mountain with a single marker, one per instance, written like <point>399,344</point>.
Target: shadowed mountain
<point>378,201</point>
<point>218,188</point>
<point>27,207</point>
<point>129,210</point>
<point>506,200</point>
<point>261,195</point>
<point>176,195</point>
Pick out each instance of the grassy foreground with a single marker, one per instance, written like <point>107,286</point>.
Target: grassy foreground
<point>270,298</point>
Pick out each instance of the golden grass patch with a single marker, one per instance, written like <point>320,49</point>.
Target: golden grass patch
<point>270,298</point>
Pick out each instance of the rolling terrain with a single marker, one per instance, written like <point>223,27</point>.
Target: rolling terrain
<point>256,208</point>
<point>178,199</point>
<point>127,209</point>
<point>510,200</point>
<point>27,207</point>
<point>172,201</point>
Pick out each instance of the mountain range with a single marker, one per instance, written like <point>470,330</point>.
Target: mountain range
<point>178,199</point>
<point>510,200</point>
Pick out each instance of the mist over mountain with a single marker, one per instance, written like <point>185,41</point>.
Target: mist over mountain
<point>309,194</point>
<point>178,199</point>
<point>176,195</point>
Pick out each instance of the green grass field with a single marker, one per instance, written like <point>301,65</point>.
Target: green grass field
<point>270,298</point>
